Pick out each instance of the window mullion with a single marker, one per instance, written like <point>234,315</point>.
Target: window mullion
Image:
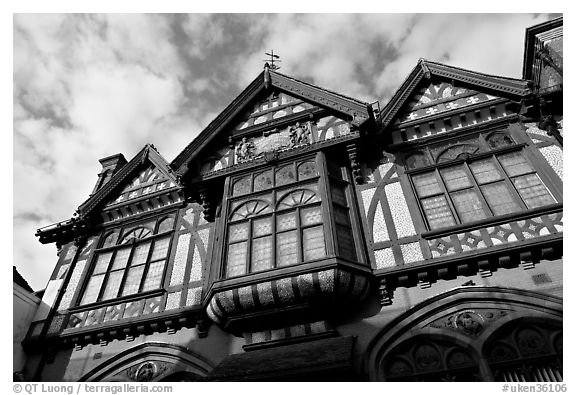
<point>147,264</point>
<point>475,186</point>
<point>106,275</point>
<point>328,226</point>
<point>509,183</point>
<point>127,268</point>
<point>447,195</point>
<point>249,243</point>
<point>274,262</point>
<point>299,236</point>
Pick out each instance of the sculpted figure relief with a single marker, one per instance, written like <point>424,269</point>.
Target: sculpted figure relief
<point>299,134</point>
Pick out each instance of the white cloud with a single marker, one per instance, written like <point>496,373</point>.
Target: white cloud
<point>88,86</point>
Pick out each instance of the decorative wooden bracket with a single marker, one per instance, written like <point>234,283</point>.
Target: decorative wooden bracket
<point>208,207</point>
<point>356,169</point>
<point>549,124</point>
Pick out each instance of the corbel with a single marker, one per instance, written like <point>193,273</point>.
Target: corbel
<point>208,207</point>
<point>549,124</point>
<point>353,157</point>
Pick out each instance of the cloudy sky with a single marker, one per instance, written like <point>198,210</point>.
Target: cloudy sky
<point>89,86</point>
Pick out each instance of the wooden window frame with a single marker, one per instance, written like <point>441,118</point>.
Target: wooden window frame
<point>133,244</point>
<point>485,152</point>
<point>322,182</point>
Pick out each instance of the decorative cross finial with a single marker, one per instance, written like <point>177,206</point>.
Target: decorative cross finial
<point>273,58</point>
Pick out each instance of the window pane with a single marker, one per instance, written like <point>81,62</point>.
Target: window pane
<point>251,209</point>
<point>485,171</point>
<point>102,263</point>
<point>261,254</point>
<point>263,181</point>
<point>238,232</point>
<point>112,285</point>
<point>437,212</point>
<point>345,242</point>
<point>121,258</point>
<point>286,221</point>
<point>154,276</point>
<point>500,198</point>
<point>133,280</point>
<point>338,195</point>
<point>262,227</point>
<point>515,164</point>
<point>111,239</point>
<point>92,289</point>
<point>311,216</point>
<point>241,186</point>
<point>341,216</point>
<point>285,175</point>
<point>236,264</point>
<point>533,191</point>
<point>313,239</point>
<point>298,197</point>
<point>468,205</point>
<point>140,254</point>
<point>160,249</point>
<point>287,248</point>
<point>307,170</point>
<point>166,224</point>
<point>455,178</point>
<point>426,184</point>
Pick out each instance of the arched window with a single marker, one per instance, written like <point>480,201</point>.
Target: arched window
<point>526,352</point>
<point>136,263</point>
<point>426,359</point>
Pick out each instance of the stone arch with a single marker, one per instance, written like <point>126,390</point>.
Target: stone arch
<point>152,361</point>
<point>466,317</point>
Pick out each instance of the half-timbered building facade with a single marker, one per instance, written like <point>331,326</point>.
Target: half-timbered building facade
<point>306,235</point>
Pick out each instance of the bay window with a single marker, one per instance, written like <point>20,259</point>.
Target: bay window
<point>279,217</point>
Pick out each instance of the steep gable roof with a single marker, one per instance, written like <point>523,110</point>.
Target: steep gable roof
<point>426,70</point>
<point>127,175</point>
<point>358,111</point>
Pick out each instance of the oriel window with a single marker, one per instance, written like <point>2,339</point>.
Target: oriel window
<point>279,216</point>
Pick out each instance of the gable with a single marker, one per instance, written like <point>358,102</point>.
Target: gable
<point>438,97</point>
<point>148,181</point>
<point>143,184</point>
<point>272,107</point>
<point>433,89</point>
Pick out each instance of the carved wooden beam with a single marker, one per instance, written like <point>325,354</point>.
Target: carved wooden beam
<point>353,157</point>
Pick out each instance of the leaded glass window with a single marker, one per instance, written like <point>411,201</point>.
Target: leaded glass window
<point>129,261</point>
<point>473,190</point>
<point>288,214</point>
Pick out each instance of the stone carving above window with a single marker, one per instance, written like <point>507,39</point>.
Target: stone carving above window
<point>250,148</point>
